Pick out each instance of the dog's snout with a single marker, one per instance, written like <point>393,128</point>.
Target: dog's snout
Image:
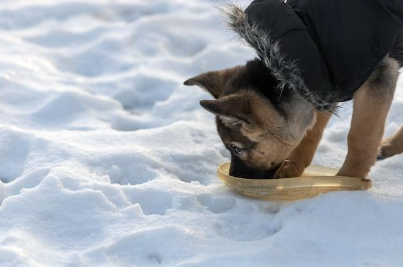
<point>242,171</point>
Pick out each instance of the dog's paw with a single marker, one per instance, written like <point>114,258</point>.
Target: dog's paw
<point>379,157</point>
<point>354,170</point>
<point>387,150</point>
<point>290,170</point>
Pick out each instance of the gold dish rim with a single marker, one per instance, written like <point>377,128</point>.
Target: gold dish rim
<point>316,180</point>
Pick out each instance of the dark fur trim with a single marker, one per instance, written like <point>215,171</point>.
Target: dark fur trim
<point>268,50</point>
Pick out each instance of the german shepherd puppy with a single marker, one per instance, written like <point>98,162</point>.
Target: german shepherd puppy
<point>274,134</point>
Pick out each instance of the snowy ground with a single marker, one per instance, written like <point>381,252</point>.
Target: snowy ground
<point>106,159</point>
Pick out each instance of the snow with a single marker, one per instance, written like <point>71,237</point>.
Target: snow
<point>108,160</point>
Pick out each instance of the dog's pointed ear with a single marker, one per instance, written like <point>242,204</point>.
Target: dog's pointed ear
<point>232,109</point>
<point>213,81</point>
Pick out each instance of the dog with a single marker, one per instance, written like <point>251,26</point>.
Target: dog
<point>311,55</point>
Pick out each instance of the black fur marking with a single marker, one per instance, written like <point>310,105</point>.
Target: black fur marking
<point>235,135</point>
<point>383,78</point>
<point>258,78</point>
<point>263,82</point>
<point>239,169</point>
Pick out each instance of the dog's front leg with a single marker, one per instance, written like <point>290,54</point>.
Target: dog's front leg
<point>371,106</point>
<point>302,155</point>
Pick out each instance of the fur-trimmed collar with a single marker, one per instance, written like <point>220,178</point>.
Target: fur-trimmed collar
<point>269,52</point>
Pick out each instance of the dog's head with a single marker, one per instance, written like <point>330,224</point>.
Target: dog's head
<point>261,115</point>
<point>259,124</point>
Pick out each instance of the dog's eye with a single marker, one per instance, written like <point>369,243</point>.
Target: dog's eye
<point>236,150</point>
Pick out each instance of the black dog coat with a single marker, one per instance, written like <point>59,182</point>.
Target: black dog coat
<point>325,49</point>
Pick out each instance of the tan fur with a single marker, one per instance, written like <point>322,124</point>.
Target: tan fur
<point>267,129</point>
<point>213,81</point>
<point>264,114</point>
<point>302,155</point>
<point>392,145</point>
<point>271,131</point>
<point>371,106</point>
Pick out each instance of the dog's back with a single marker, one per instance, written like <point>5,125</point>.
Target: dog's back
<point>353,36</point>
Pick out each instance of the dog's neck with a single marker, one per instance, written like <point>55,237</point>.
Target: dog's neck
<point>261,79</point>
<point>299,113</point>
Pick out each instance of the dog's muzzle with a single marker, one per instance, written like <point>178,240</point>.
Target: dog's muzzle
<point>239,169</point>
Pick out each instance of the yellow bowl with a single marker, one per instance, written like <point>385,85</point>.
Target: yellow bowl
<point>315,180</point>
